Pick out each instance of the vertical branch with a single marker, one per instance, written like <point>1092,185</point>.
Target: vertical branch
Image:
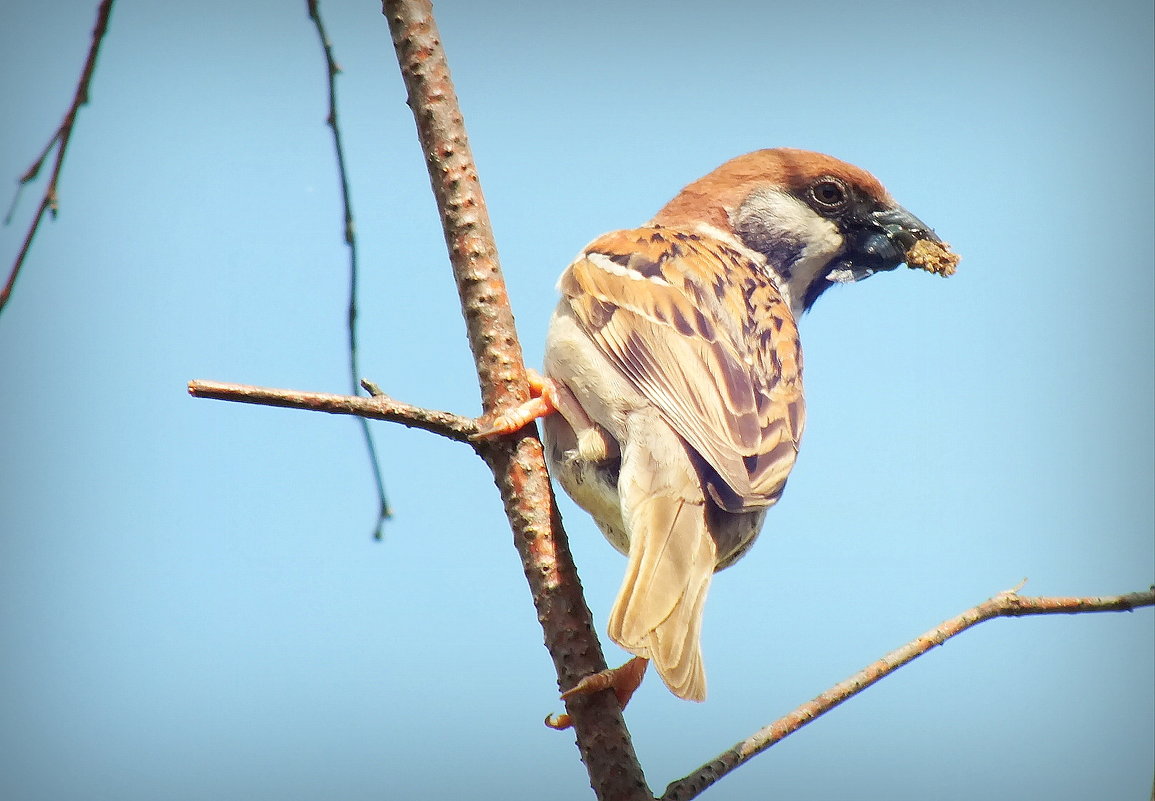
<point>464,217</point>
<point>60,139</point>
<point>332,68</point>
<point>517,462</point>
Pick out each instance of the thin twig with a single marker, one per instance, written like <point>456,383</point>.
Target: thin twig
<point>332,69</point>
<point>1005,604</point>
<point>60,139</point>
<point>379,407</point>
<point>517,462</point>
<point>462,429</point>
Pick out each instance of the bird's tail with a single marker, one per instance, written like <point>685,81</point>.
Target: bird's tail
<point>658,611</point>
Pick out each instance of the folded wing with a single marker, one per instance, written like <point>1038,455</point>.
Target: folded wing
<point>705,335</point>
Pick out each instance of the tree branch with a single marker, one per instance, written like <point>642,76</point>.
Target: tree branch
<point>60,139</point>
<point>561,626</point>
<point>517,462</point>
<point>378,407</point>
<point>1005,604</point>
<point>331,70</point>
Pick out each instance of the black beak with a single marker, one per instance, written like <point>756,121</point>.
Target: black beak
<point>879,243</point>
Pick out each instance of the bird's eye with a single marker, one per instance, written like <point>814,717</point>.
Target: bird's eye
<point>829,195</point>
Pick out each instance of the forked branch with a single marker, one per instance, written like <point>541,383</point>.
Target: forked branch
<point>518,465</point>
<point>461,429</point>
<point>59,140</point>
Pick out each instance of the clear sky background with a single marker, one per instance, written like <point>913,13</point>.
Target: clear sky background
<point>191,605</point>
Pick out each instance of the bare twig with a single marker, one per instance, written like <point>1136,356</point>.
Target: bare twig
<point>563,624</point>
<point>379,407</point>
<point>60,139</point>
<point>518,465</point>
<point>332,68</point>
<point>1005,604</point>
<point>517,462</point>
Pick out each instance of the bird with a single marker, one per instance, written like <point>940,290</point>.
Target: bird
<point>672,401</point>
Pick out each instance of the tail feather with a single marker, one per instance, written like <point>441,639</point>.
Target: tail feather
<point>658,611</point>
<point>676,645</point>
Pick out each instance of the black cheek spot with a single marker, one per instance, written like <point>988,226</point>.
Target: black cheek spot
<point>781,251</point>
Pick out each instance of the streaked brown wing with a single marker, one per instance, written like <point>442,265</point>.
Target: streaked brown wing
<point>708,339</point>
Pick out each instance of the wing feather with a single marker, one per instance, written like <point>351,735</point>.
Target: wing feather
<point>700,328</point>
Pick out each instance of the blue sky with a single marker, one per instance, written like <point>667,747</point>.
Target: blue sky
<point>191,606</point>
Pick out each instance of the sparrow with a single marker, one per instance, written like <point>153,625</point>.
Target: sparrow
<point>672,398</point>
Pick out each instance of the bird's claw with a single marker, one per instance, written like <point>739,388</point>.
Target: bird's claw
<point>624,681</point>
<point>558,722</point>
<point>542,401</point>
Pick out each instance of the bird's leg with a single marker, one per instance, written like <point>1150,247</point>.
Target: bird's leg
<point>624,681</point>
<point>542,401</point>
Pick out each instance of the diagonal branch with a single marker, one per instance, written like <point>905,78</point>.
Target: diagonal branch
<point>462,429</point>
<point>331,69</point>
<point>517,462</point>
<point>1005,604</point>
<point>60,139</point>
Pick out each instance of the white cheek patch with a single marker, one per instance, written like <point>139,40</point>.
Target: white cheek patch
<point>790,218</point>
<point>812,240</point>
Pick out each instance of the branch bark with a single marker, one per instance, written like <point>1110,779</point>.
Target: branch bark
<point>517,462</point>
<point>462,429</point>
<point>379,407</point>
<point>518,465</point>
<point>1005,604</point>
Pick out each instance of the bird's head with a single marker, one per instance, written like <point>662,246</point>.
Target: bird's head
<point>818,221</point>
